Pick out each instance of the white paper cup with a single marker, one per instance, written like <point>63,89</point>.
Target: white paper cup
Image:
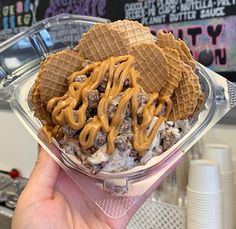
<point>201,218</point>
<point>206,221</point>
<point>203,209</point>
<point>205,205</point>
<point>234,170</point>
<point>192,224</point>
<point>202,197</point>
<point>210,202</point>
<point>221,154</point>
<point>207,217</point>
<point>227,176</point>
<point>228,224</point>
<point>204,176</point>
<point>204,225</point>
<point>203,194</point>
<point>200,202</point>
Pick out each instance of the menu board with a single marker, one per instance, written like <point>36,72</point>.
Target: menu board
<point>153,12</point>
<point>206,25</point>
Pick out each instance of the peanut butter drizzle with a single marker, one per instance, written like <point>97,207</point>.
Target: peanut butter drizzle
<point>65,109</point>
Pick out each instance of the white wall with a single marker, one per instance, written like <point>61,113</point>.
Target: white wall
<point>18,149</point>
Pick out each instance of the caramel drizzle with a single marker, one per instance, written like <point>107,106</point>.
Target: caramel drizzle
<point>64,109</point>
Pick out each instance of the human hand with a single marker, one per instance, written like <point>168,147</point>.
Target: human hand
<point>52,200</point>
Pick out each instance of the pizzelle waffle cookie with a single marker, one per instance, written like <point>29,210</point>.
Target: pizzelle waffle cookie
<point>114,39</point>
<point>162,71</point>
<point>175,71</point>
<point>135,32</point>
<point>168,40</point>
<point>186,97</point>
<point>39,108</point>
<point>54,73</point>
<point>152,65</point>
<point>101,42</point>
<point>185,49</point>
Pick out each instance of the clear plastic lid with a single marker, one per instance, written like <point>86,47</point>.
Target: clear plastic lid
<point>20,61</point>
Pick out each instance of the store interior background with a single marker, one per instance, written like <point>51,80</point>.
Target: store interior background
<point>19,149</point>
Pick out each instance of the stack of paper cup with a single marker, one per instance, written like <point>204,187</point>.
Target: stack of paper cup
<point>204,208</point>
<point>234,189</point>
<point>221,154</point>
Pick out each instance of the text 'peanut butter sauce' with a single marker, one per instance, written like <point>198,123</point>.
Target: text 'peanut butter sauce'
<point>71,108</point>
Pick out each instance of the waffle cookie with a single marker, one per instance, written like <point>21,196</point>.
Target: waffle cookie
<point>39,108</point>
<point>175,71</point>
<point>114,39</point>
<point>187,96</point>
<point>134,31</point>
<point>54,72</point>
<point>168,40</point>
<point>101,42</point>
<point>152,65</point>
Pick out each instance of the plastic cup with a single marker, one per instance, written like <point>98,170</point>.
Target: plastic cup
<point>200,225</point>
<point>227,177</point>
<point>207,216</point>
<point>205,205</point>
<point>221,154</point>
<point>204,224</point>
<point>204,216</point>
<point>197,224</point>
<point>207,221</point>
<point>234,170</point>
<point>200,201</point>
<point>204,201</point>
<point>202,208</point>
<point>209,203</point>
<point>204,176</point>
<point>229,173</point>
<point>228,224</point>
<point>204,197</point>
<point>203,194</point>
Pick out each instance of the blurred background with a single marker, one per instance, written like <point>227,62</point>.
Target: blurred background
<point>208,27</point>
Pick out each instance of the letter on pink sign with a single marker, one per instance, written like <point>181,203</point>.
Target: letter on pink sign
<point>19,7</point>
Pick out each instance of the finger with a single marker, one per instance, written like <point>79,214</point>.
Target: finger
<point>43,177</point>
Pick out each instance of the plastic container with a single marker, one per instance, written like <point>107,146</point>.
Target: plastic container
<point>114,193</point>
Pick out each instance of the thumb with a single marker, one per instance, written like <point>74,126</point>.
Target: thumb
<point>43,177</point>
